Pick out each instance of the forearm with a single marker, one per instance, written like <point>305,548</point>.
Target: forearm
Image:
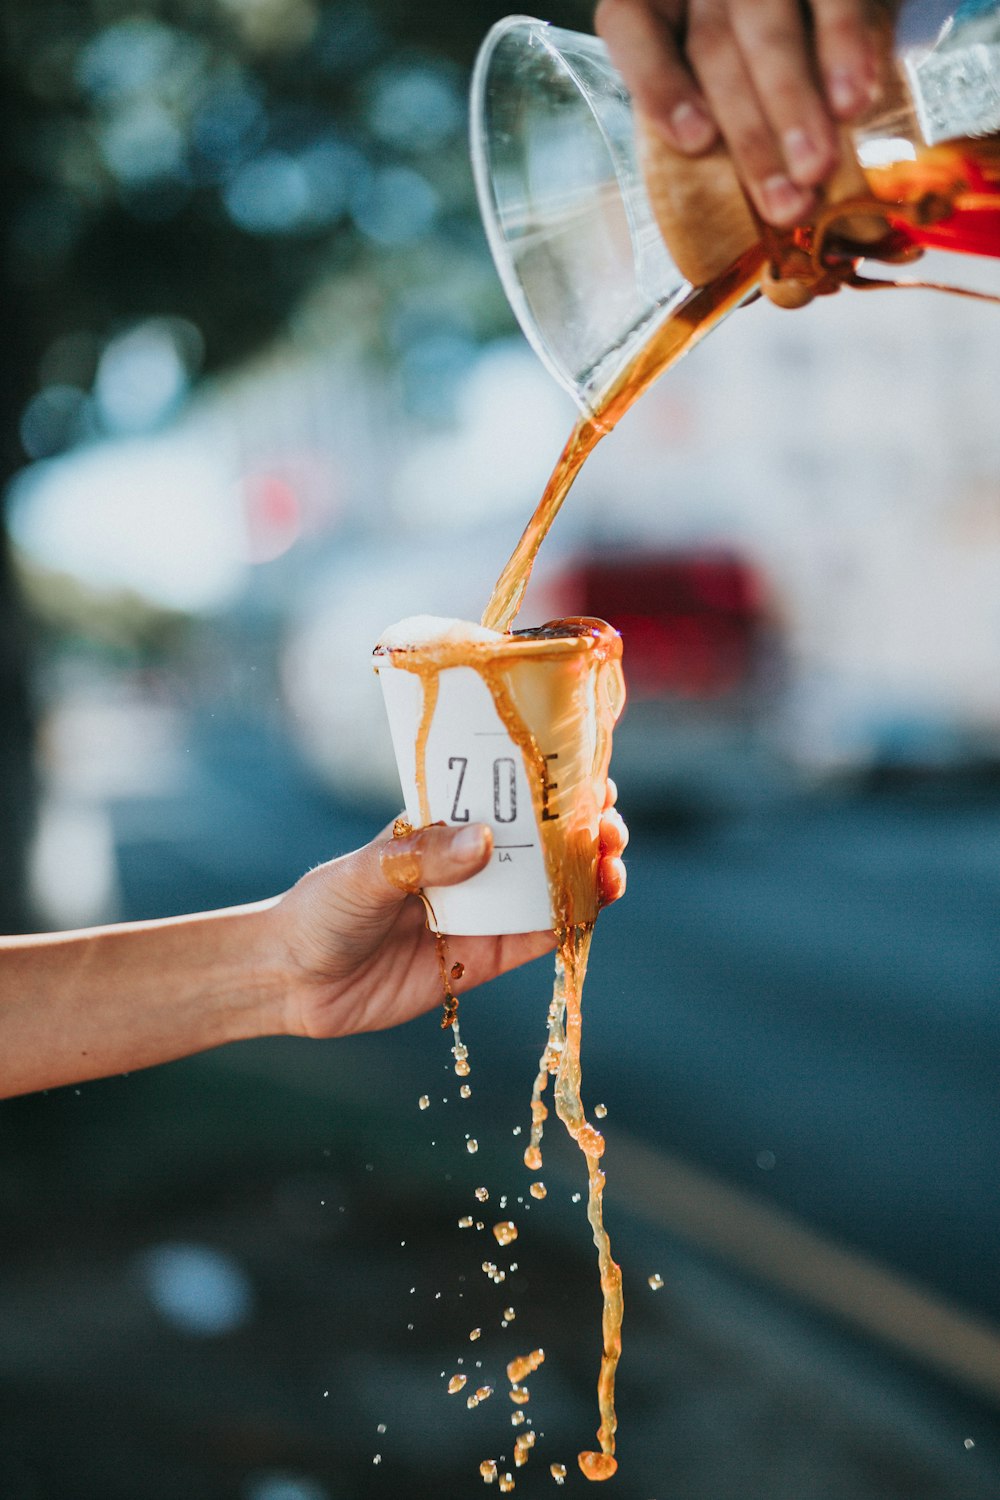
<point>108,1000</point>
<point>346,950</point>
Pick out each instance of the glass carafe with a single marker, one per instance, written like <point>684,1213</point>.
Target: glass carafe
<point>580,234</point>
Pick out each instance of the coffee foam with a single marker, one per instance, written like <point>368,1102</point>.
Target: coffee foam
<point>428,630</point>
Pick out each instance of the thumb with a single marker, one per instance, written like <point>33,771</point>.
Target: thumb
<point>435,856</point>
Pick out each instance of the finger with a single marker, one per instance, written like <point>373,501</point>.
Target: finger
<point>610,793</point>
<point>779,60</point>
<point>613,833</point>
<point>612,879</point>
<point>852,48</point>
<point>435,856</point>
<point>732,97</point>
<point>644,50</point>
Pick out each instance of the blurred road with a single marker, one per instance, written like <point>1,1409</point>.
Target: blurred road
<point>805,998</point>
<point>791,1021</point>
<point>809,1001</point>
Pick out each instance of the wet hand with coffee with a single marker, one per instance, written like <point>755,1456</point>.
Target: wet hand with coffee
<point>345,950</point>
<point>361,957</point>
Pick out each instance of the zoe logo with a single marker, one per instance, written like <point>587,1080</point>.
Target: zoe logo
<point>504,773</point>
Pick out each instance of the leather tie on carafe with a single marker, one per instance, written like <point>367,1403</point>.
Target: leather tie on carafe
<point>707,221</point>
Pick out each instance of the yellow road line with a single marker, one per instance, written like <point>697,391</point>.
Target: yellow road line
<point>772,1245</point>
<point>729,1223</point>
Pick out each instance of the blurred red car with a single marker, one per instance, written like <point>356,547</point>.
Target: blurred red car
<point>702,663</point>
<point>702,666</point>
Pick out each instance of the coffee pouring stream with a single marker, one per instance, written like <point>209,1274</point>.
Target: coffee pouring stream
<point>618,256</point>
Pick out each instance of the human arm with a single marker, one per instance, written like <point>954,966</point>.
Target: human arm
<point>774,78</point>
<point>345,950</point>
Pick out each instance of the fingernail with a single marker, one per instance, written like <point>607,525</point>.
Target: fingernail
<point>402,866</point>
<point>469,843</point>
<point>802,153</point>
<point>846,94</point>
<point>783,201</point>
<point>693,129</point>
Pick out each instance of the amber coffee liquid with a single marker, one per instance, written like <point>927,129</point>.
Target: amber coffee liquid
<point>949,198</point>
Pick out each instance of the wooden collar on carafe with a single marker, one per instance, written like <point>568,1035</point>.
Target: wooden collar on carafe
<point>707,222</point>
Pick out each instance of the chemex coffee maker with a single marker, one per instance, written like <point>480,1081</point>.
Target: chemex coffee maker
<point>601,234</point>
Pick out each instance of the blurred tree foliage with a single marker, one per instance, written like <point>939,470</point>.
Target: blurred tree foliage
<point>211,159</point>
<point>217,163</point>
<point>118,623</point>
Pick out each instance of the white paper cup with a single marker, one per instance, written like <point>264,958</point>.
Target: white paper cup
<point>568,692</point>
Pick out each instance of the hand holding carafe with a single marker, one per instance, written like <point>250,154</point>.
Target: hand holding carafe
<point>604,233</point>
<point>768,85</point>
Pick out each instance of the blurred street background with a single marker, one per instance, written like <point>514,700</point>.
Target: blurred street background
<point>262,397</point>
